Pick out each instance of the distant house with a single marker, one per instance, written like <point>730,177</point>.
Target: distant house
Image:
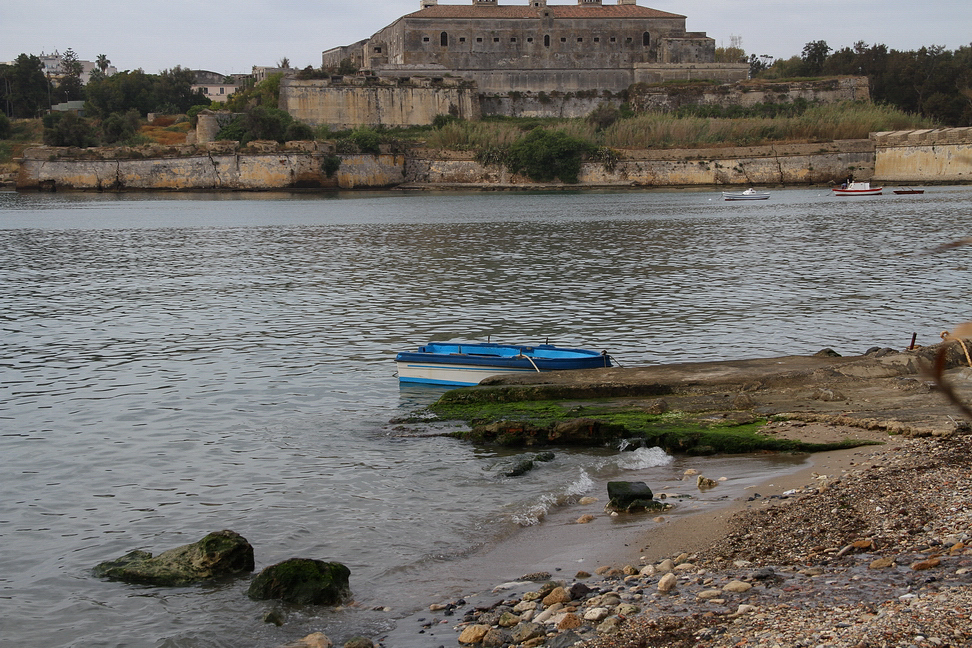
<point>216,87</point>
<point>52,67</point>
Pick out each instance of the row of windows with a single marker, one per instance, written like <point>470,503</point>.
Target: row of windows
<point>444,39</point>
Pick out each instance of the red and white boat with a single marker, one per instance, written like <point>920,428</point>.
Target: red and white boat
<point>857,189</point>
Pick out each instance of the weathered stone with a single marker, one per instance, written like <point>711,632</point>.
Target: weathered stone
<point>597,614</point>
<point>666,565</point>
<point>627,609</point>
<point>704,482</point>
<point>557,595</point>
<point>623,493</point>
<point>610,625</point>
<point>926,564</point>
<point>526,631</point>
<point>303,581</point>
<point>496,638</point>
<point>359,642</point>
<point>473,634</point>
<point>218,554</point>
<point>508,620</point>
<point>709,594</point>
<point>569,622</point>
<point>737,586</point>
<point>585,519</point>
<point>520,467</point>
<point>667,582</point>
<point>313,640</point>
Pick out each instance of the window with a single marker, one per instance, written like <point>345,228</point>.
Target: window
<point>546,41</point>
<point>646,39</point>
<point>530,39</point>
<point>495,39</point>
<point>425,39</point>
<point>462,39</point>
<point>597,39</point>
<point>613,39</point>
<point>378,49</point>
<point>479,40</point>
<point>580,40</point>
<point>513,40</point>
<point>444,39</point>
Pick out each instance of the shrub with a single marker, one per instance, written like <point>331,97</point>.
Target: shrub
<point>6,128</point>
<point>366,139</point>
<point>330,165</point>
<point>544,155</point>
<point>67,129</point>
<point>118,127</point>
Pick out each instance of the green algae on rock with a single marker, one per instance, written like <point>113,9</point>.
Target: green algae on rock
<point>221,553</point>
<point>304,581</point>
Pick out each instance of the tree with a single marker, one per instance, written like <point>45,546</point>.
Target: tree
<point>69,86</point>
<point>67,129</point>
<point>814,56</point>
<point>544,155</point>
<point>102,62</point>
<point>29,91</point>
<point>284,63</point>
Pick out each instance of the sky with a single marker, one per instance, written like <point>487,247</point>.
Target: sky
<point>232,36</point>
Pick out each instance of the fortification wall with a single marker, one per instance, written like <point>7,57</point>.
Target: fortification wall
<point>319,102</point>
<point>793,164</point>
<point>261,166</point>
<point>651,98</point>
<point>919,156</point>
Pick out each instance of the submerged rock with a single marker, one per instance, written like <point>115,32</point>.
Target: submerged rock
<point>220,553</point>
<point>304,581</point>
<point>631,497</point>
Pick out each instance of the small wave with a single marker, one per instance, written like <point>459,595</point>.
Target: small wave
<point>644,458</point>
<point>538,510</point>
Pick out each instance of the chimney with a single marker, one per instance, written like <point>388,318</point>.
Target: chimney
<point>627,2</point>
<point>427,3</point>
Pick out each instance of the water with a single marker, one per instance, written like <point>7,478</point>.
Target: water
<point>175,365</point>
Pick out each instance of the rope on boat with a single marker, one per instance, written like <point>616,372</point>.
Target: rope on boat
<point>522,355</point>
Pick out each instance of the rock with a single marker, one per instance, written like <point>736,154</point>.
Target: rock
<point>275,616</point>
<point>610,625</point>
<point>313,640</point>
<point>538,577</point>
<point>578,591</point>
<point>520,467</point>
<point>473,634</point>
<point>587,499</point>
<point>544,456</point>
<point>508,620</point>
<point>737,586</point>
<point>647,571</point>
<point>557,595</point>
<point>570,621</point>
<point>359,642</point>
<point>563,640</point>
<point>585,519</point>
<point>826,353</point>
<point>597,614</point>
<point>667,582</point>
<point>628,609</point>
<point>526,631</point>
<point>497,638</point>
<point>523,606</point>
<point>705,482</point>
<point>304,581</point>
<point>743,401</point>
<point>926,564</point>
<point>666,565</point>
<point>221,553</point>
<point>709,594</point>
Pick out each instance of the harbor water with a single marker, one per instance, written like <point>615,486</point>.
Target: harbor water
<point>174,365</point>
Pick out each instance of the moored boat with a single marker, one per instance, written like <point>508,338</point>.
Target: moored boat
<point>462,364</point>
<point>748,194</point>
<point>857,189</point>
<point>909,190</point>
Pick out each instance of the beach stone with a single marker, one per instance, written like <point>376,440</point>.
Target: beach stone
<point>704,482</point>
<point>737,586</point>
<point>221,553</point>
<point>496,638</point>
<point>665,566</point>
<point>582,574</point>
<point>359,642</point>
<point>587,500</point>
<point>667,582</point>
<point>578,591</point>
<point>523,606</point>
<point>313,640</point>
<point>926,564</point>
<point>610,625</point>
<point>303,581</point>
<point>565,639</point>
<point>881,563</point>
<point>526,631</point>
<point>629,570</point>
<point>557,595</point>
<point>622,494</point>
<point>648,571</point>
<point>597,614</point>
<point>473,634</point>
<point>709,594</point>
<point>628,609</point>
<point>585,519</point>
<point>569,622</point>
<point>508,620</point>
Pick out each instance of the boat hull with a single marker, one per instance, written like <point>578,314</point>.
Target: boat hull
<point>857,189</point>
<point>728,195</point>
<point>468,364</point>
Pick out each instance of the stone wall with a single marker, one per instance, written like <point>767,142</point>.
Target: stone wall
<point>666,98</point>
<point>372,102</point>
<point>791,164</point>
<point>261,166</point>
<point>919,156</point>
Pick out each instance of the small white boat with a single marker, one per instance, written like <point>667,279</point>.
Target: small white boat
<point>460,364</point>
<point>857,189</point>
<point>749,194</point>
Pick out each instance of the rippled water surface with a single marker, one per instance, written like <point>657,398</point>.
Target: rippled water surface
<point>174,365</point>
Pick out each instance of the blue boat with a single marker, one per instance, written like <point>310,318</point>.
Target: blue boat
<point>459,364</point>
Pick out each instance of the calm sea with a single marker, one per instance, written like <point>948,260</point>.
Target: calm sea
<point>175,365</point>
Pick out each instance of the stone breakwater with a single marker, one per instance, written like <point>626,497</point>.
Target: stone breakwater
<point>880,555</point>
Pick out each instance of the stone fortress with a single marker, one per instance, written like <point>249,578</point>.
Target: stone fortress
<point>467,60</point>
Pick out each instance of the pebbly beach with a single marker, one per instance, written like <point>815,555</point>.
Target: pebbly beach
<point>866,546</point>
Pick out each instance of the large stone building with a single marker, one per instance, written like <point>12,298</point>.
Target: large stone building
<point>540,47</point>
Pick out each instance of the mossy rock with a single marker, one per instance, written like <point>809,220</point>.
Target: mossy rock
<point>220,553</point>
<point>304,581</point>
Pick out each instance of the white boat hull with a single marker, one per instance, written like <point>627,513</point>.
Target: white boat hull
<point>451,374</point>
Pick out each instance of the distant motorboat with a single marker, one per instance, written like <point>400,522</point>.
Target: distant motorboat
<point>909,190</point>
<point>749,194</point>
<point>857,189</point>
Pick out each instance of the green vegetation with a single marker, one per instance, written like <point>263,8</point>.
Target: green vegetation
<point>168,92</point>
<point>262,123</point>
<point>527,423</point>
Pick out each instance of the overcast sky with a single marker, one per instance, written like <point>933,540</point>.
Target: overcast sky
<point>233,35</point>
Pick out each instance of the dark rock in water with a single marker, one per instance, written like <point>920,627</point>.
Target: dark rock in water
<point>631,497</point>
<point>544,456</point>
<point>578,591</point>
<point>221,553</point>
<point>304,581</point>
<point>359,642</point>
<point>520,467</point>
<point>827,353</point>
<point>275,616</point>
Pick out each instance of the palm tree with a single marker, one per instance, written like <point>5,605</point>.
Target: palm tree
<point>102,62</point>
